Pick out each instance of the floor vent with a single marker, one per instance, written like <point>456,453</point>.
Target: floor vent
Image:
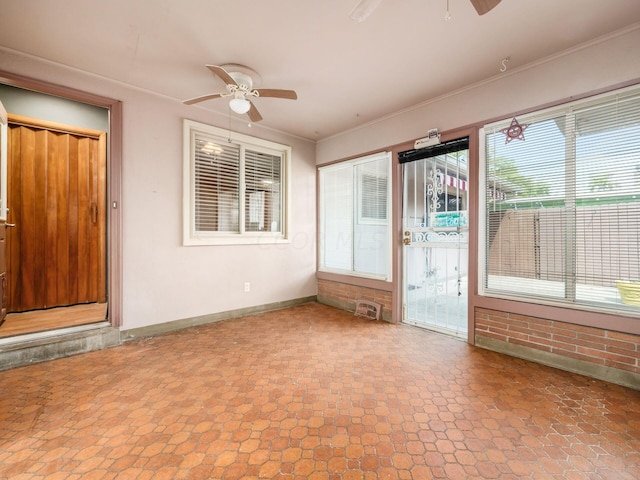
<point>368,309</point>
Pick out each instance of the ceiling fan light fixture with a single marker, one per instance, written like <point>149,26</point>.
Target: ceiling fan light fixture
<point>240,105</point>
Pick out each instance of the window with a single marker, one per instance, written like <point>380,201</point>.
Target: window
<point>561,214</point>
<point>355,226</point>
<point>235,187</point>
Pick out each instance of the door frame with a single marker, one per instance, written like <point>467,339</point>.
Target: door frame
<point>97,140</point>
<point>114,178</point>
<point>472,133</point>
<point>419,248</point>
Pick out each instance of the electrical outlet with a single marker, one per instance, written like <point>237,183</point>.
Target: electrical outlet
<point>247,286</point>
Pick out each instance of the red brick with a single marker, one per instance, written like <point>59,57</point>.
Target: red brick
<point>621,351</point>
<point>555,344</point>
<point>607,356</point>
<point>625,337</point>
<point>621,345</point>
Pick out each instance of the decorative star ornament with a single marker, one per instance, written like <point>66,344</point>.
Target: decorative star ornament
<point>514,131</point>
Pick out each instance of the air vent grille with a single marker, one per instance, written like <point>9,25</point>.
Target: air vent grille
<point>369,310</point>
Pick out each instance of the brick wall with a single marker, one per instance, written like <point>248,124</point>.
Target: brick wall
<point>600,347</point>
<point>345,296</point>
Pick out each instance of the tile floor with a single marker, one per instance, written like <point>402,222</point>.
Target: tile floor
<point>314,393</point>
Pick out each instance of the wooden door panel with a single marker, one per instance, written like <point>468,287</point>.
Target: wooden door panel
<point>51,267</point>
<point>72,211</point>
<point>34,183</point>
<point>97,204</point>
<point>57,199</point>
<point>60,233</point>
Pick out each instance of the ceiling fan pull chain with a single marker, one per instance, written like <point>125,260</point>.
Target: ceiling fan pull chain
<point>447,15</point>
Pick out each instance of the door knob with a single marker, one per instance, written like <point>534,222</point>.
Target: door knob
<point>406,241</point>
<point>9,224</point>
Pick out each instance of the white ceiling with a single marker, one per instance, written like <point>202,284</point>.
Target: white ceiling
<point>345,73</point>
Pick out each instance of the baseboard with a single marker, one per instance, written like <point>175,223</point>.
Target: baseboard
<point>588,369</point>
<point>166,327</point>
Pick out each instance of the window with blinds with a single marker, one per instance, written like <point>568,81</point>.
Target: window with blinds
<point>561,212</point>
<point>234,187</point>
<point>354,205</point>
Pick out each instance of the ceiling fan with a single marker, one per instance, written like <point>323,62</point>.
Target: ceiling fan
<point>240,81</point>
<point>364,8</point>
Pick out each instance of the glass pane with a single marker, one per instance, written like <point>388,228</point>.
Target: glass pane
<point>608,199</point>
<point>371,239</point>
<point>216,178</point>
<point>354,223</point>
<point>262,192</point>
<point>336,206</point>
<point>526,213</point>
<point>436,287</point>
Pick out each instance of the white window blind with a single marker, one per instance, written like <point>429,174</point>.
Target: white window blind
<point>235,188</point>
<point>372,183</point>
<point>217,180</point>
<point>262,179</point>
<point>562,205</point>
<point>354,200</point>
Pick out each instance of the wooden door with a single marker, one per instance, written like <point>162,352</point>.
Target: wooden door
<point>57,202</point>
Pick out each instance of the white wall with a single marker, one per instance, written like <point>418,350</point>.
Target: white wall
<point>607,62</point>
<point>162,280</point>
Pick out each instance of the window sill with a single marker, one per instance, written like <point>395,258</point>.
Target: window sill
<point>360,281</point>
<point>258,239</point>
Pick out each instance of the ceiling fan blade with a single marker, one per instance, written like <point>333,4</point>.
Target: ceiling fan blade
<point>363,9</point>
<point>484,6</point>
<point>223,74</point>
<point>191,101</point>
<point>253,113</point>
<point>277,93</point>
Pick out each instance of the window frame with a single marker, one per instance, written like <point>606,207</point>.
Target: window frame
<point>357,218</point>
<point>191,237</point>
<point>567,110</point>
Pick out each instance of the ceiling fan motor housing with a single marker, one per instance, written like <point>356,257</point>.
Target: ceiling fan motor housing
<point>243,80</point>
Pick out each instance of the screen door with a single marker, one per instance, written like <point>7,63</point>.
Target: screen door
<point>435,228</point>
